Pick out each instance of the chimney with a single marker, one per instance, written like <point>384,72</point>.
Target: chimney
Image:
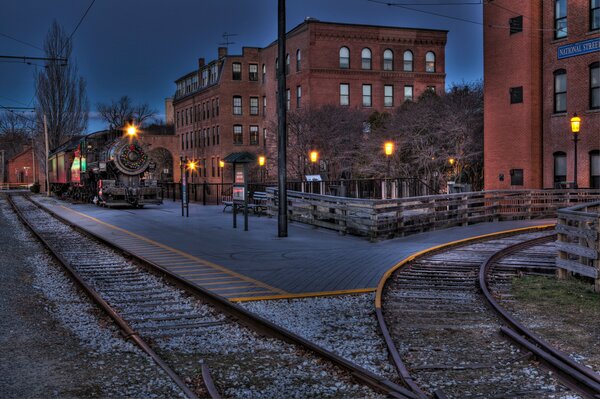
<point>222,51</point>
<point>200,63</point>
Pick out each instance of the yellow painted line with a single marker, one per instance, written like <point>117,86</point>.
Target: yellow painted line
<point>216,278</point>
<point>388,273</point>
<point>184,254</point>
<point>222,283</point>
<point>304,295</point>
<point>231,288</point>
<point>244,293</point>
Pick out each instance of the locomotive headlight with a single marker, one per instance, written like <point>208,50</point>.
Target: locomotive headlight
<point>131,130</point>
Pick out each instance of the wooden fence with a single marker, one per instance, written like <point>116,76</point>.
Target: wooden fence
<point>578,243</point>
<point>377,219</point>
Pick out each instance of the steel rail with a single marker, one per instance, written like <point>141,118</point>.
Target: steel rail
<point>252,320</point>
<point>401,367</point>
<point>125,328</point>
<point>585,379</point>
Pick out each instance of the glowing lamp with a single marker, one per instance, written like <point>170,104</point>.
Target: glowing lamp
<point>261,160</point>
<point>192,165</point>
<point>314,156</point>
<point>131,130</point>
<point>452,160</point>
<point>388,148</point>
<point>222,164</point>
<point>575,123</point>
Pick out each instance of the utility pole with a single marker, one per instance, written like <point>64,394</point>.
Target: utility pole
<point>47,155</point>
<point>281,126</point>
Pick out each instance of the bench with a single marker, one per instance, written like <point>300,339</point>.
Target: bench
<point>256,204</point>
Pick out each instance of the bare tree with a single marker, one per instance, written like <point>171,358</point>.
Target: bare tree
<point>15,133</point>
<point>60,91</point>
<point>120,112</point>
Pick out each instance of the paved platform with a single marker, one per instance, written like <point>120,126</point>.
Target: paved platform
<point>255,264</point>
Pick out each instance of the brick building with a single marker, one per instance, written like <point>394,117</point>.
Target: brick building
<point>229,104</point>
<point>540,68</point>
<point>21,169</point>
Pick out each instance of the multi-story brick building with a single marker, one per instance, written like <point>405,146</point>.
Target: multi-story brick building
<point>229,104</point>
<point>21,168</point>
<point>540,68</point>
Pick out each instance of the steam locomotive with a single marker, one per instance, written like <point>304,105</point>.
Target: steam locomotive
<point>105,168</point>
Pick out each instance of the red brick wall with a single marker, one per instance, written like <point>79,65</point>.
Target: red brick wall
<point>20,169</point>
<point>526,135</point>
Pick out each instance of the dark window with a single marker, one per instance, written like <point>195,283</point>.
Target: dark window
<point>595,169</point>
<point>560,168</point>
<point>287,64</point>
<point>560,91</point>
<point>264,105</point>
<point>595,85</point>
<point>288,99</point>
<point>253,135</point>
<point>237,105</point>
<point>560,19</point>
<point>365,56</point>
<point>236,68</point>
<point>182,143</point>
<point>238,137</point>
<point>264,73</point>
<point>516,24</point>
<point>408,61</point>
<point>516,95</point>
<point>218,135</point>
<point>187,141</point>
<point>253,105</point>
<point>516,177</point>
<point>388,60</point>
<point>430,62</point>
<point>431,89</point>
<point>253,72</point>
<point>217,107</point>
<point>298,60</point>
<point>212,166</point>
<point>344,58</point>
<point>594,14</point>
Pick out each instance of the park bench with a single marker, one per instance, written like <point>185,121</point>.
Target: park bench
<point>256,204</point>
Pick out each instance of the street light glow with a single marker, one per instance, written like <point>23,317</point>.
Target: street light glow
<point>575,123</point>
<point>388,147</point>
<point>261,160</point>
<point>192,165</point>
<point>314,156</point>
<point>452,160</point>
<point>222,164</point>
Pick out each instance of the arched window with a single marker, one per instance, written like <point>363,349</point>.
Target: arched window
<point>560,168</point>
<point>560,90</point>
<point>595,169</point>
<point>298,60</point>
<point>287,64</point>
<point>408,61</point>
<point>595,85</point>
<point>388,60</point>
<point>365,56</point>
<point>344,58</point>
<point>430,62</point>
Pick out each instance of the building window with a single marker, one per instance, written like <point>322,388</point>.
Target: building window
<point>288,99</point>
<point>253,72</point>
<point>595,85</point>
<point>264,136</point>
<point>430,62</point>
<point>253,135</point>
<point>212,166</point>
<point>182,143</point>
<point>431,89</point>
<point>217,107</point>
<point>560,168</point>
<point>264,106</point>
<point>594,14</point>
<point>344,94</point>
<point>408,61</point>
<point>219,167</point>
<point>187,141</point>
<point>287,64</point>
<point>218,135</point>
<point>388,96</point>
<point>236,68</point>
<point>253,105</point>
<point>238,137</point>
<point>516,24</point>
<point>560,91</point>
<point>298,60</point>
<point>214,139</point>
<point>365,56</point>
<point>344,58</point>
<point>388,60</point>
<point>212,108</point>
<point>516,95</point>
<point>560,19</point>
<point>366,95</point>
<point>408,93</point>
<point>264,73</point>
<point>595,169</point>
<point>203,167</point>
<point>298,96</point>
<point>516,177</point>
<point>237,105</point>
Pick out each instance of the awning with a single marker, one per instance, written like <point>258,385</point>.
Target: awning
<point>240,157</point>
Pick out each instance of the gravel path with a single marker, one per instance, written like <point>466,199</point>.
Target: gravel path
<point>53,342</point>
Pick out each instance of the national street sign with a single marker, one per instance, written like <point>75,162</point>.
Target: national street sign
<point>579,48</point>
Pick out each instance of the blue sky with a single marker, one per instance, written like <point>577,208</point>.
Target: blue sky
<point>139,48</point>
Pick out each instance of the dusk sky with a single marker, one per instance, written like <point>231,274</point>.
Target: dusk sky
<point>139,47</point>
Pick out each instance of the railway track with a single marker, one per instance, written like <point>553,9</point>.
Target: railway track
<point>186,329</point>
<point>446,340</point>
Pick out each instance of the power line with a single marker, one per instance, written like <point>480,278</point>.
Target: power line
<point>81,19</point>
<point>21,41</point>
<point>17,114</point>
<point>18,57</point>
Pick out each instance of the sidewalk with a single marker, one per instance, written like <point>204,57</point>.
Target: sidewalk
<point>243,264</point>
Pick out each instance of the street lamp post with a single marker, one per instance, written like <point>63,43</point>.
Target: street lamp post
<point>575,125</point>
<point>261,163</point>
<point>388,149</point>
<point>222,165</point>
